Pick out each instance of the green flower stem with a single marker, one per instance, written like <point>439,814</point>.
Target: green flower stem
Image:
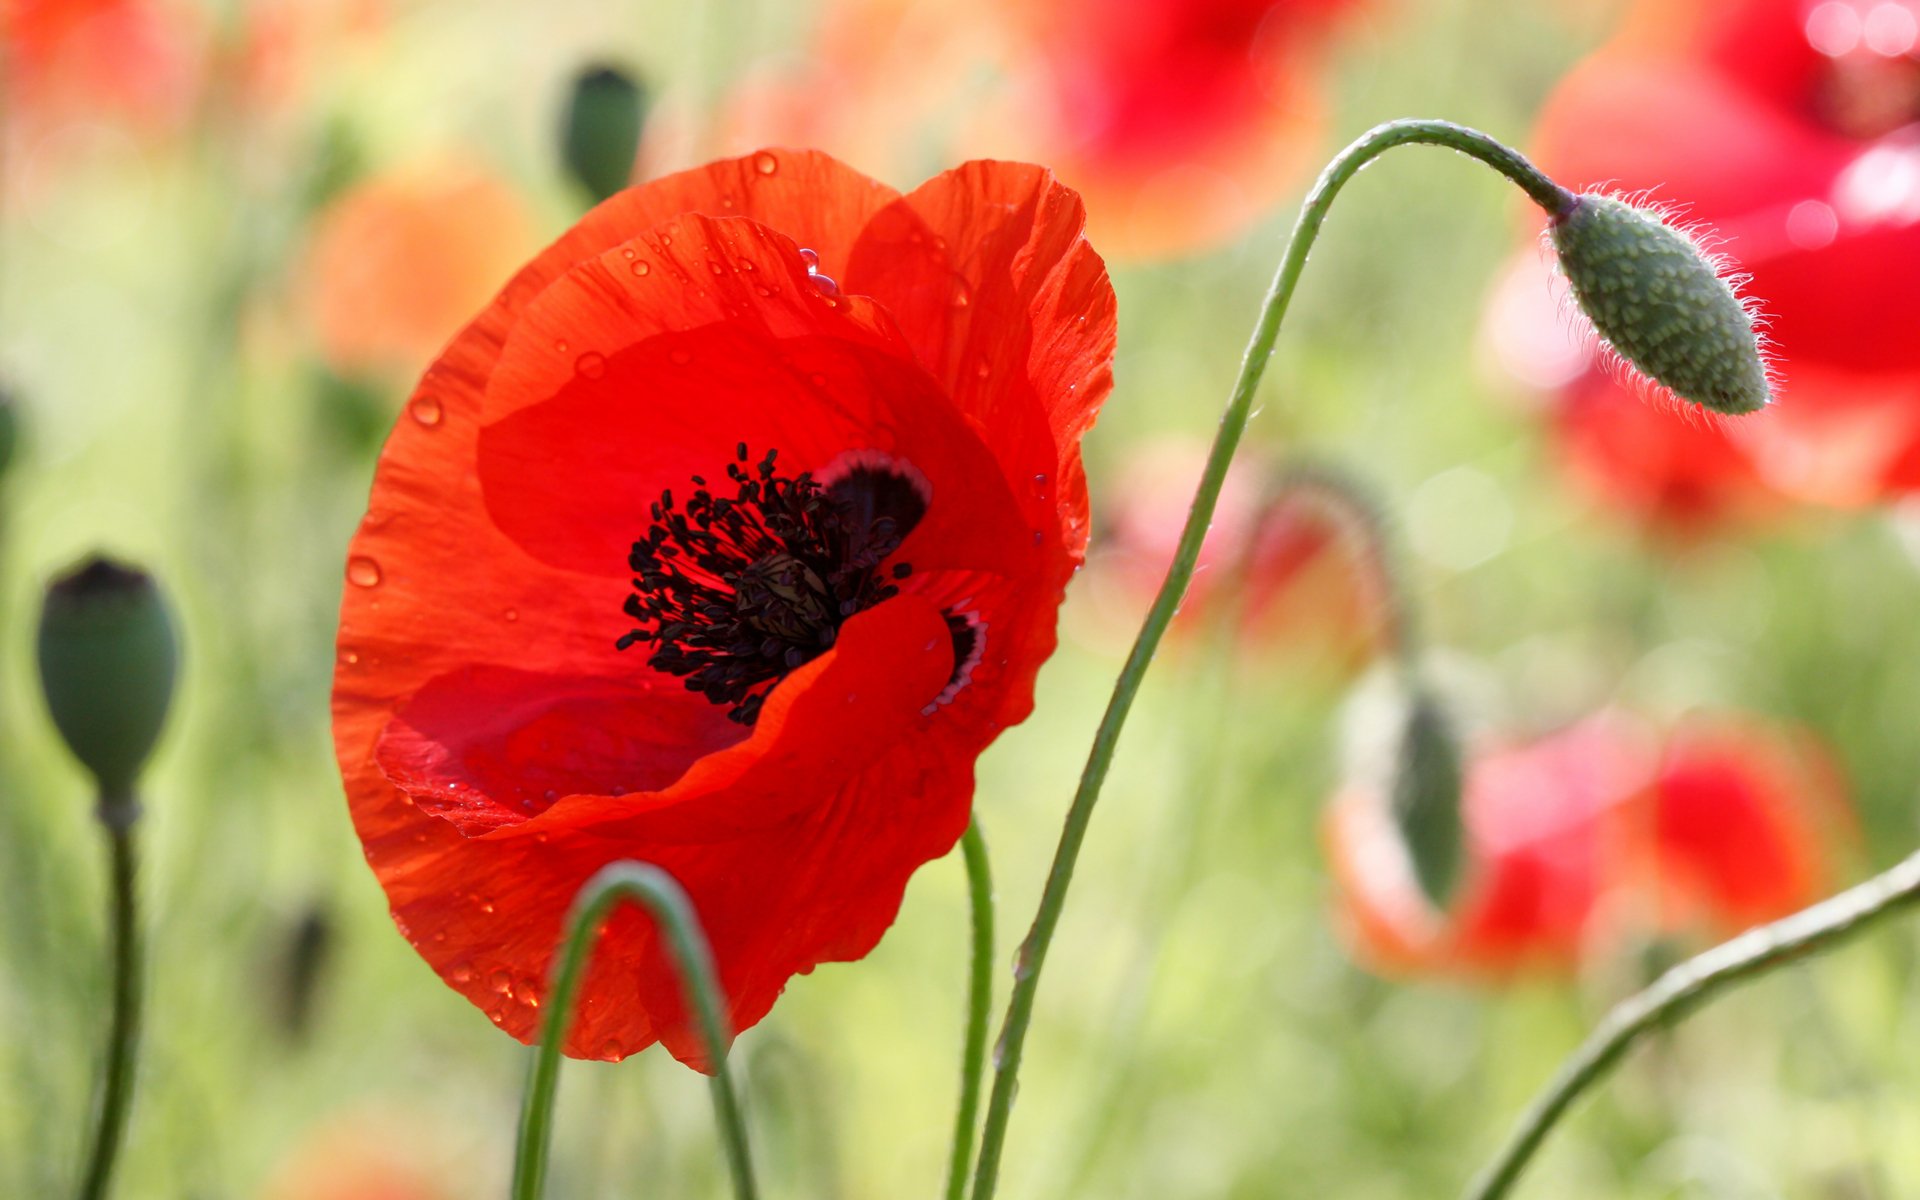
<point>973,1059</point>
<point>1687,987</point>
<point>117,817</point>
<point>667,903</point>
<point>1233,423</point>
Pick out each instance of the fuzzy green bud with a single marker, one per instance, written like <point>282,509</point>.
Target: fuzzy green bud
<point>1427,785</point>
<point>1660,301</point>
<point>107,664</point>
<point>601,134</point>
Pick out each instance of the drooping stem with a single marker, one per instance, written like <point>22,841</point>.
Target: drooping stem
<point>1233,423</point>
<point>973,1058</point>
<point>117,818</point>
<point>1685,988</point>
<point>672,912</point>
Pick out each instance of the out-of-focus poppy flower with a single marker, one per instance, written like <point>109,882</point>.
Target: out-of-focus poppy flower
<point>1593,835</point>
<point>365,1156</point>
<point>841,518</point>
<point>1277,556</point>
<point>1787,126</point>
<point>399,262</point>
<point>134,61</point>
<point>1182,121</point>
<point>282,44</point>
<point>1540,829</point>
<point>1740,825</point>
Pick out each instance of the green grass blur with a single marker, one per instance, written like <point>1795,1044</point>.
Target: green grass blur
<point>1202,1032</point>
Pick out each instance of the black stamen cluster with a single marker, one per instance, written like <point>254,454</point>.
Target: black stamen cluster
<point>734,592</point>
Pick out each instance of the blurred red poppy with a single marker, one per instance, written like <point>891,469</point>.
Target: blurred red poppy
<point>1182,122</point>
<point>1587,837</point>
<point>1540,831</point>
<point>840,517</point>
<point>136,61</point>
<point>1788,127</point>
<point>370,1155</point>
<point>1278,558</point>
<point>1741,825</point>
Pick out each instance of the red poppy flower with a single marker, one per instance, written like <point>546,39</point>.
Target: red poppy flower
<point>133,59</point>
<point>1788,127</point>
<point>840,519</point>
<point>1540,833</point>
<point>1740,825</point>
<point>1183,120</point>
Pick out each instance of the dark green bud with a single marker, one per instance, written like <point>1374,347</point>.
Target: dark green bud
<point>1427,785</point>
<point>9,431</point>
<point>601,136</point>
<point>1662,303</point>
<point>107,664</point>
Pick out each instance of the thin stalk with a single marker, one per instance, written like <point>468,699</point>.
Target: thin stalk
<point>973,1058</point>
<point>1685,988</point>
<point>123,1032</point>
<point>1233,424</point>
<point>663,898</point>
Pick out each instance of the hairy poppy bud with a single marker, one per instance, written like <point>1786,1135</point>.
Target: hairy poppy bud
<point>1662,303</point>
<point>1427,784</point>
<point>602,131</point>
<point>107,658</point>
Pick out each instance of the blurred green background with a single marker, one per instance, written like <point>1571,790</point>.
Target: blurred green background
<point>1202,1031</point>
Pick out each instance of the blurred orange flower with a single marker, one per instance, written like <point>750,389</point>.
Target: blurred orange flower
<point>363,1158</point>
<point>133,61</point>
<point>398,263</point>
<point>1788,127</point>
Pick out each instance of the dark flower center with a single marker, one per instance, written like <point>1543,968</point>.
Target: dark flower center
<point>732,592</point>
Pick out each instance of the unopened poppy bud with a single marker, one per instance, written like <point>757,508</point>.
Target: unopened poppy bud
<point>602,132</point>
<point>1662,303</point>
<point>107,660</point>
<point>9,431</point>
<point>1427,784</point>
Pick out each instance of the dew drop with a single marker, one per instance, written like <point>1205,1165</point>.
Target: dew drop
<point>765,291</point>
<point>501,982</point>
<point>811,259</point>
<point>962,295</point>
<point>628,253</point>
<point>512,614</point>
<point>561,345</point>
<point>363,571</point>
<point>666,239</point>
<point>981,369</point>
<point>765,163</point>
<point>461,974</point>
<point>714,266</point>
<point>486,906</point>
<point>591,365</point>
<point>746,264</point>
<point>642,267</point>
<point>349,658</point>
<point>426,410</point>
<point>611,1051</point>
<point>825,283</point>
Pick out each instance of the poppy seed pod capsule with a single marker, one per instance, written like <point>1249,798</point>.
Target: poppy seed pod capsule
<point>107,660</point>
<point>1662,303</point>
<point>1427,785</point>
<point>601,135</point>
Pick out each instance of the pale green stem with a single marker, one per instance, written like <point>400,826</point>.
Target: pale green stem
<point>1686,987</point>
<point>1180,573</point>
<point>117,817</point>
<point>673,915</point>
<point>973,1058</point>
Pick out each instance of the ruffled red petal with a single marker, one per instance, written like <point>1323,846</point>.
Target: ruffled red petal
<point>497,748</point>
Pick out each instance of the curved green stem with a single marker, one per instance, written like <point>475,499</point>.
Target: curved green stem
<point>1686,987</point>
<point>1233,423</point>
<point>123,1035</point>
<point>973,1059</point>
<point>667,903</point>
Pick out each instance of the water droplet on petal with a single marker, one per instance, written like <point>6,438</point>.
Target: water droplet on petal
<point>746,264</point>
<point>591,365</point>
<point>765,163</point>
<point>642,267</point>
<point>628,253</point>
<point>826,284</point>
<point>962,294</point>
<point>363,571</point>
<point>611,1051</point>
<point>501,982</point>
<point>461,974</point>
<point>561,345</point>
<point>349,658</point>
<point>811,259</point>
<point>714,266</point>
<point>426,410</point>
<point>512,614</point>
